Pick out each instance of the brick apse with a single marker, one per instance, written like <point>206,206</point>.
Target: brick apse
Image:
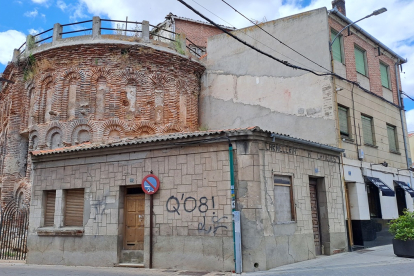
<point>86,90</point>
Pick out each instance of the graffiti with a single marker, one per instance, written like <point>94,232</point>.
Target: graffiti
<point>203,205</point>
<point>190,204</point>
<point>217,224</point>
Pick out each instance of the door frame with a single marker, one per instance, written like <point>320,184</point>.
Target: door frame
<point>125,195</point>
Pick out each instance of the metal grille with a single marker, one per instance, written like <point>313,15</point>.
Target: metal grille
<point>14,221</point>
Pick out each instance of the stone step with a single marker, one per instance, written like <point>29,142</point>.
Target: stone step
<point>132,257</point>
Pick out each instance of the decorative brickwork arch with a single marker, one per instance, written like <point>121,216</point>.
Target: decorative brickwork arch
<point>81,125</point>
<point>172,128</point>
<point>144,128</point>
<point>54,136</point>
<point>98,72</point>
<point>33,140</point>
<point>110,127</point>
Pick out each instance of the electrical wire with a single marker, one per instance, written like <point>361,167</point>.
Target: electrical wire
<point>251,36</point>
<point>251,21</point>
<point>286,63</point>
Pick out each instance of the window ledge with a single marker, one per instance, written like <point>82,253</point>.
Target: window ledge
<point>362,75</point>
<point>370,145</point>
<point>395,152</point>
<point>64,232</point>
<point>389,89</point>
<point>347,139</point>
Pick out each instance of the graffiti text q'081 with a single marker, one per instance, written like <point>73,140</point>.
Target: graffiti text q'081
<point>189,204</point>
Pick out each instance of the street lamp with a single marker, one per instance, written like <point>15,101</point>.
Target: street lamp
<point>376,12</point>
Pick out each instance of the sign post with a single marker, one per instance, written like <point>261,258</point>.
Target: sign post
<point>150,185</point>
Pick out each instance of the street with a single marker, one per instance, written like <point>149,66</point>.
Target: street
<point>374,261</point>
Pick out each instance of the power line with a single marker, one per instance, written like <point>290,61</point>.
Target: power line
<point>286,63</point>
<point>251,21</point>
<point>249,35</point>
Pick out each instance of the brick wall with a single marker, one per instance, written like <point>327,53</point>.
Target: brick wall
<point>373,60</point>
<point>196,32</point>
<point>92,92</point>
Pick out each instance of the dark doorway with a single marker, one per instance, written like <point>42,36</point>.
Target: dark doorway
<point>401,203</point>
<point>374,201</point>
<point>315,215</point>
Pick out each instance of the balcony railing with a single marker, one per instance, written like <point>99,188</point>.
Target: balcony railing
<point>98,27</point>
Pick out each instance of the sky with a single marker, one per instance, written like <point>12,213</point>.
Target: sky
<point>395,28</point>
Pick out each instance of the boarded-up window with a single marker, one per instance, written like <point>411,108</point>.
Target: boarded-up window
<point>392,140</point>
<point>74,207</point>
<point>336,46</point>
<point>50,208</point>
<point>343,120</point>
<point>284,210</point>
<point>367,130</point>
<point>360,61</point>
<point>384,75</point>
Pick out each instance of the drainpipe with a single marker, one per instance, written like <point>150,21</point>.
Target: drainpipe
<point>236,217</point>
<point>402,120</point>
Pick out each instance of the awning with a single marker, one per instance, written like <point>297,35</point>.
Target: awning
<point>406,187</point>
<point>386,191</point>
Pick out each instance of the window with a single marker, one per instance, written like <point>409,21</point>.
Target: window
<point>284,208</point>
<point>50,198</point>
<point>343,120</point>
<point>74,207</point>
<point>336,46</point>
<point>384,75</point>
<point>392,138</point>
<point>360,61</point>
<point>367,130</point>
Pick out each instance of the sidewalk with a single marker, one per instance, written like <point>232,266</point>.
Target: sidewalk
<point>373,261</point>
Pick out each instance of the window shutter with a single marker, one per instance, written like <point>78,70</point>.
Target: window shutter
<point>336,47</point>
<point>360,61</point>
<point>384,75</point>
<point>367,130</point>
<point>343,120</point>
<point>391,138</point>
<point>284,209</point>
<point>50,208</point>
<point>74,207</point>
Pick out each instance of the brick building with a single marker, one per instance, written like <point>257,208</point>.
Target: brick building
<point>197,32</point>
<point>242,87</point>
<point>101,112</point>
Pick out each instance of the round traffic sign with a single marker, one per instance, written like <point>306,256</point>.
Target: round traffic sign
<point>150,184</point>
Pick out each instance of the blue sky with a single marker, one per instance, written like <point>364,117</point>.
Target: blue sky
<point>395,28</point>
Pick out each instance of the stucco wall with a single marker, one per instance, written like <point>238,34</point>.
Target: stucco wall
<point>243,88</point>
<point>267,242</point>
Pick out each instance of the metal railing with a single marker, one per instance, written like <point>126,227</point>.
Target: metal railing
<point>14,222</point>
<point>120,30</point>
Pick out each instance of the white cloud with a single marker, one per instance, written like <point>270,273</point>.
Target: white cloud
<point>10,40</point>
<point>33,13</point>
<point>393,28</point>
<point>39,1</point>
<point>61,5</point>
<point>409,115</point>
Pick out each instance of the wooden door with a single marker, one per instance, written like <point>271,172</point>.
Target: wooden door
<point>315,216</point>
<point>134,222</point>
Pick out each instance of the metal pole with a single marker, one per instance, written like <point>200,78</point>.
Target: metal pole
<point>151,222</point>
<point>236,217</point>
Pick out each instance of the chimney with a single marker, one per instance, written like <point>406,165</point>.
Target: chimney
<point>340,5</point>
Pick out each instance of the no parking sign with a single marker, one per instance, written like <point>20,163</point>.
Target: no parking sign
<point>150,184</point>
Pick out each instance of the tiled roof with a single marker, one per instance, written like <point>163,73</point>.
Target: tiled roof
<point>176,136</point>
